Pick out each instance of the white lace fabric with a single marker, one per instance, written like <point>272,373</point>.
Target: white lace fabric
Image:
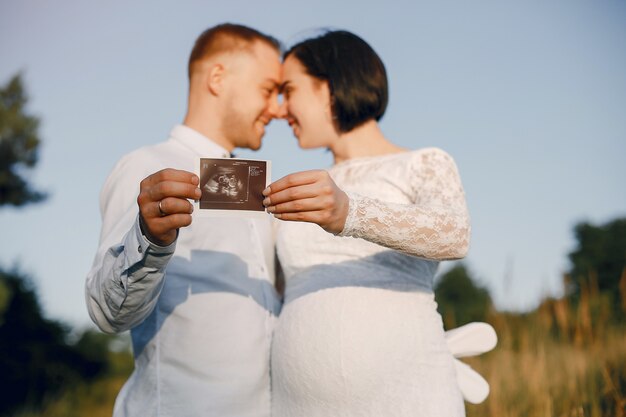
<point>411,202</point>
<point>435,223</point>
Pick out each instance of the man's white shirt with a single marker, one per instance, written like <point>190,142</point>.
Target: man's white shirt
<point>201,311</point>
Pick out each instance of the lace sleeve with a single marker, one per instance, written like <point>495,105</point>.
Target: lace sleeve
<point>436,226</point>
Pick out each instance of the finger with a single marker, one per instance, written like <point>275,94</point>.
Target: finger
<point>161,208</point>
<point>162,230</point>
<point>294,180</point>
<point>169,206</point>
<point>161,226</point>
<point>172,222</point>
<point>170,174</point>
<point>176,189</point>
<point>317,217</point>
<point>303,205</point>
<point>291,194</point>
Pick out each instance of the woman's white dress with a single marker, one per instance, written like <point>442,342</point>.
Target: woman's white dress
<point>359,334</point>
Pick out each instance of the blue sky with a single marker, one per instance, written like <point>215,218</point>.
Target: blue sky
<point>528,97</point>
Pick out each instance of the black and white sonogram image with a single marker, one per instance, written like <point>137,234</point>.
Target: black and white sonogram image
<point>232,184</point>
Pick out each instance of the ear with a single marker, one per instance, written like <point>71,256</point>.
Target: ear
<point>328,99</point>
<point>329,102</point>
<point>215,79</point>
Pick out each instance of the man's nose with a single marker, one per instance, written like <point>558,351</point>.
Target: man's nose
<point>273,109</point>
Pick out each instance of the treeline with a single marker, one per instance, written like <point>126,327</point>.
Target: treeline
<point>597,272</point>
<point>39,357</point>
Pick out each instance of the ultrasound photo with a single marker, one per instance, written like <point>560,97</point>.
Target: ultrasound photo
<point>233,184</point>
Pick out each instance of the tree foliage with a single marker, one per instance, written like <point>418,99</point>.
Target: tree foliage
<point>460,299</point>
<point>599,260</point>
<point>36,359</point>
<point>19,144</point>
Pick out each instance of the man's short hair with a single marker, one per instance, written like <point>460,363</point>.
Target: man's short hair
<point>226,37</point>
<point>355,74</point>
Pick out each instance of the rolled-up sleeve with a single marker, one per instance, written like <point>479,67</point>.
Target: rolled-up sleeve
<point>127,275</point>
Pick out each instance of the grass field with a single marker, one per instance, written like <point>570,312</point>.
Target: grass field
<point>561,360</point>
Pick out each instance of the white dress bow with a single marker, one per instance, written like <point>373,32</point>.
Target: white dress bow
<point>470,340</point>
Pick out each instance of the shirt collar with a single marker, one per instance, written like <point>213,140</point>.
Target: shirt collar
<point>197,142</point>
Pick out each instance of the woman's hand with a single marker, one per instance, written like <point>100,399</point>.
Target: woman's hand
<point>308,196</point>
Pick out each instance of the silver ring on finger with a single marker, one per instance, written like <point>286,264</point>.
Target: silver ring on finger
<point>161,209</point>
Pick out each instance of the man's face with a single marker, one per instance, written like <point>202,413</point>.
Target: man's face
<point>252,100</point>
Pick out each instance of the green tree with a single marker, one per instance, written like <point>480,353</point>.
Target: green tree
<point>36,360</point>
<point>19,144</point>
<point>599,260</point>
<point>460,300</point>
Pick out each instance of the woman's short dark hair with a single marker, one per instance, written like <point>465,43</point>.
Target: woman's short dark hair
<point>355,74</point>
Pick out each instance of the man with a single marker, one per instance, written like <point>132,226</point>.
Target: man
<point>198,298</point>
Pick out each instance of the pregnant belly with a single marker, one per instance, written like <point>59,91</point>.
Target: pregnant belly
<point>344,346</point>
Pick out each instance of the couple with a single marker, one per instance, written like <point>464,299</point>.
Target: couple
<point>359,244</point>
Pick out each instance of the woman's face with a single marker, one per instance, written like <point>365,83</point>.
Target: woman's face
<point>306,106</point>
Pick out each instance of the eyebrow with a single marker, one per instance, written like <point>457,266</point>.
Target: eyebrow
<point>282,86</point>
<point>274,83</point>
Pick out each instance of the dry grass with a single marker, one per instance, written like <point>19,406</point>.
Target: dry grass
<point>548,378</point>
<point>562,360</point>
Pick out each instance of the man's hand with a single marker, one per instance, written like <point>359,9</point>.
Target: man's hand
<point>163,204</point>
<point>308,196</point>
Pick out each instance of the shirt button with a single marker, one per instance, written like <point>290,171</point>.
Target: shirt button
<point>139,249</point>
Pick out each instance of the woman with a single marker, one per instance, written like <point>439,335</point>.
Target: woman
<point>359,333</point>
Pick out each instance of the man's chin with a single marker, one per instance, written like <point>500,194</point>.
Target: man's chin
<point>255,143</point>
